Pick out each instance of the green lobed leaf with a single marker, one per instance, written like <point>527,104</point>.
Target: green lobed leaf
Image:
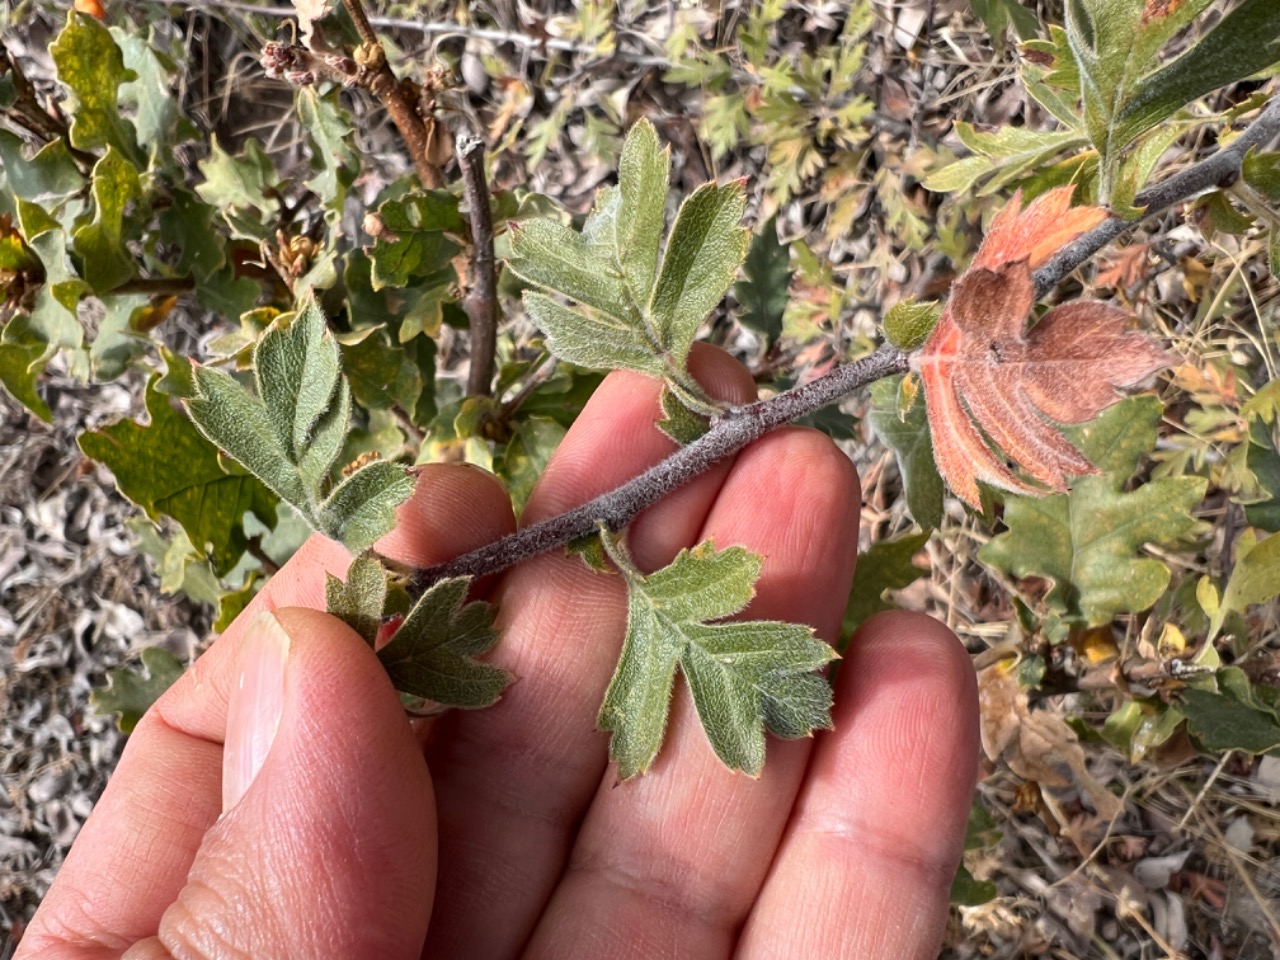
<point>20,365</point>
<point>92,68</point>
<point>431,655</point>
<point>238,188</point>
<point>1230,718</point>
<point>554,258</point>
<point>643,174</point>
<point>1255,579</point>
<point>49,177</point>
<point>1088,541</point>
<point>155,109</point>
<point>292,440</point>
<point>333,158</point>
<point>1263,461</point>
<point>412,243</point>
<point>886,566</point>
<point>130,693</point>
<point>707,245</point>
<point>745,677</point>
<point>101,242</point>
<point>359,601</point>
<point>187,226</point>
<point>167,467</point>
<point>594,340</point>
<point>363,506</point>
<point>765,286</point>
<point>909,439</point>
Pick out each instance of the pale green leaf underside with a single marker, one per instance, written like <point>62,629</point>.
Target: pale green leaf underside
<point>744,677</point>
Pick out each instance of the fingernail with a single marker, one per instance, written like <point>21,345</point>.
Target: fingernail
<point>253,714</point>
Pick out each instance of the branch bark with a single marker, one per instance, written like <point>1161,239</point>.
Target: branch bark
<point>1219,170</point>
<point>729,433</point>
<point>481,301</point>
<point>740,426</point>
<point>384,85</point>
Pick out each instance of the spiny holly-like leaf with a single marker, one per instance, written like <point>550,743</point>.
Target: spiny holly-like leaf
<point>291,433</point>
<point>359,601</point>
<point>745,677</point>
<point>167,467</point>
<point>632,307</point>
<point>130,693</point>
<point>432,655</point>
<point>410,243</point>
<point>101,242</point>
<point>766,282</point>
<point>981,370</point>
<point>49,176</point>
<point>1088,541</point>
<point>92,68</point>
<point>237,188</point>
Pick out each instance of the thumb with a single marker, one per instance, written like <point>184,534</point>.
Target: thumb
<point>326,846</point>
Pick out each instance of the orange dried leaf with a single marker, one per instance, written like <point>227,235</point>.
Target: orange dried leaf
<point>91,7</point>
<point>982,372</point>
<point>1036,233</point>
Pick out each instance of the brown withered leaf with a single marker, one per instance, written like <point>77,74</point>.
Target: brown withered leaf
<point>983,372</point>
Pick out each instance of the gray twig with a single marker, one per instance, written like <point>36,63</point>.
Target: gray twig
<point>729,433</point>
<point>1218,170</point>
<point>481,301</point>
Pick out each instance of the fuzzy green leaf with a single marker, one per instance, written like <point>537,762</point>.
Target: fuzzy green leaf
<point>1087,541</point>
<point>359,601</point>
<point>363,507</point>
<point>706,247</point>
<point>679,422</point>
<point>607,269</point>
<point>92,67</point>
<point>101,242</point>
<point>643,174</point>
<point>766,282</point>
<point>745,677</point>
<point>432,655</point>
<point>167,467</point>
<point>292,440</point>
<point>909,439</point>
<point>908,324</point>
<point>130,693</point>
<point>592,340</point>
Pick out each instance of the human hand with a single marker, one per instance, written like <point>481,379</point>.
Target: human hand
<point>338,842</point>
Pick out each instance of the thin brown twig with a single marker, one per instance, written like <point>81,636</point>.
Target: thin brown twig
<point>379,79</point>
<point>481,301</point>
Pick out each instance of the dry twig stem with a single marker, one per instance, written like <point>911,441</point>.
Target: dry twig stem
<point>742,425</point>
<point>729,433</point>
<point>1218,170</point>
<point>384,85</point>
<point>481,302</point>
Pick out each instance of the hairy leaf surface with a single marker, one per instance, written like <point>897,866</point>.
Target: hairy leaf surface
<point>982,373</point>
<point>745,677</point>
<point>432,654</point>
